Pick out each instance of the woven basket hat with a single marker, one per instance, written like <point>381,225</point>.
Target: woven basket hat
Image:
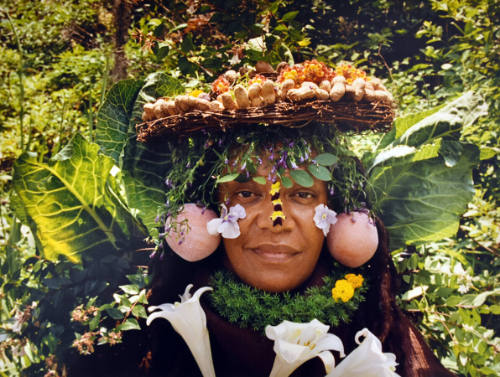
<point>291,96</point>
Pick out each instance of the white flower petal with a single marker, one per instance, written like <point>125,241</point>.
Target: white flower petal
<point>213,226</point>
<point>186,295</point>
<point>199,292</point>
<point>153,316</point>
<point>238,211</point>
<point>290,352</point>
<point>331,342</point>
<point>367,359</point>
<point>295,343</point>
<point>324,217</point>
<point>229,230</point>
<point>189,320</point>
<point>328,360</point>
<point>161,307</point>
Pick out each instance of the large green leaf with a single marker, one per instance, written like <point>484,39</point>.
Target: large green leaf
<point>421,180</point>
<point>447,121</point>
<point>444,120</point>
<point>73,202</point>
<point>114,115</point>
<point>421,199</point>
<point>145,166</point>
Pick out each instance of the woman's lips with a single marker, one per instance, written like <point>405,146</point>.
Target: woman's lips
<point>274,253</point>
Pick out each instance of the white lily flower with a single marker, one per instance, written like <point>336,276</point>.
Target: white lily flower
<point>227,224</point>
<point>367,359</point>
<point>189,320</point>
<point>324,217</point>
<point>295,343</point>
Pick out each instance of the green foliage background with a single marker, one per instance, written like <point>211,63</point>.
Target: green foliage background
<point>55,69</point>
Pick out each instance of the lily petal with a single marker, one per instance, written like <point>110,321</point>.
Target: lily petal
<point>328,360</point>
<point>189,320</point>
<point>331,342</point>
<point>296,343</point>
<point>367,359</point>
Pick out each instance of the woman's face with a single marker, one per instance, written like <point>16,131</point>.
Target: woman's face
<point>271,257</point>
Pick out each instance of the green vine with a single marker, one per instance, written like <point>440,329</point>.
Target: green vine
<point>248,307</point>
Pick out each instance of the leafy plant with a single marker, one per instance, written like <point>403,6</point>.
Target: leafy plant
<point>421,182</point>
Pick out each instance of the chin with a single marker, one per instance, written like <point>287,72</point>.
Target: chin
<point>274,281</point>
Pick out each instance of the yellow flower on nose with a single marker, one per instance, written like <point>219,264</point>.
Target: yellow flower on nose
<point>278,215</point>
<point>277,202</point>
<point>275,188</point>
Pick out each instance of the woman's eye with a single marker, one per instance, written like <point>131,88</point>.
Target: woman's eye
<point>245,194</point>
<point>304,195</point>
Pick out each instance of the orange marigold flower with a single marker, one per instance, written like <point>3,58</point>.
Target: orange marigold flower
<point>296,73</point>
<point>257,79</point>
<point>355,280</point>
<point>349,72</point>
<point>221,85</point>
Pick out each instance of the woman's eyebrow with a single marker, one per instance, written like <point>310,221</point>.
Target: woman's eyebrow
<point>248,184</point>
<point>233,186</point>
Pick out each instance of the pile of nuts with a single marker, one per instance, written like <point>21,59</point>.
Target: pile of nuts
<point>311,80</point>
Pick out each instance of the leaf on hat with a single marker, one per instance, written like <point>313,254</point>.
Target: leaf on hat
<point>320,172</point>
<point>326,159</point>
<point>302,177</point>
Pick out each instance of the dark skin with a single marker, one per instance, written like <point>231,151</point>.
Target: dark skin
<point>274,258</point>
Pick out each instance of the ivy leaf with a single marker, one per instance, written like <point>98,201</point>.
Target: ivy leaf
<point>326,159</point>
<point>114,313</point>
<point>320,172</point>
<point>129,324</point>
<point>289,16</point>
<point>71,202</point>
<point>414,293</point>
<point>287,182</point>
<point>139,311</point>
<point>227,178</point>
<point>259,180</point>
<point>302,178</point>
<point>131,289</point>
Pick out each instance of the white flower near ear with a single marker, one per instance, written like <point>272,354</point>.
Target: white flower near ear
<point>367,359</point>
<point>324,217</point>
<point>227,224</point>
<point>295,343</point>
<point>189,320</point>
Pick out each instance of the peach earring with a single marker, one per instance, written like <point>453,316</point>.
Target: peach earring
<point>189,238</point>
<point>353,239</point>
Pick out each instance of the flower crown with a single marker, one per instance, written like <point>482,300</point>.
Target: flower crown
<point>290,96</point>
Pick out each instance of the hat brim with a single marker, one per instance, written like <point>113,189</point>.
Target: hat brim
<point>345,115</point>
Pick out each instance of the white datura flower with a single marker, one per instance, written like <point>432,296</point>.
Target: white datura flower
<point>324,217</point>
<point>367,359</point>
<point>227,224</point>
<point>296,343</point>
<point>189,320</point>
